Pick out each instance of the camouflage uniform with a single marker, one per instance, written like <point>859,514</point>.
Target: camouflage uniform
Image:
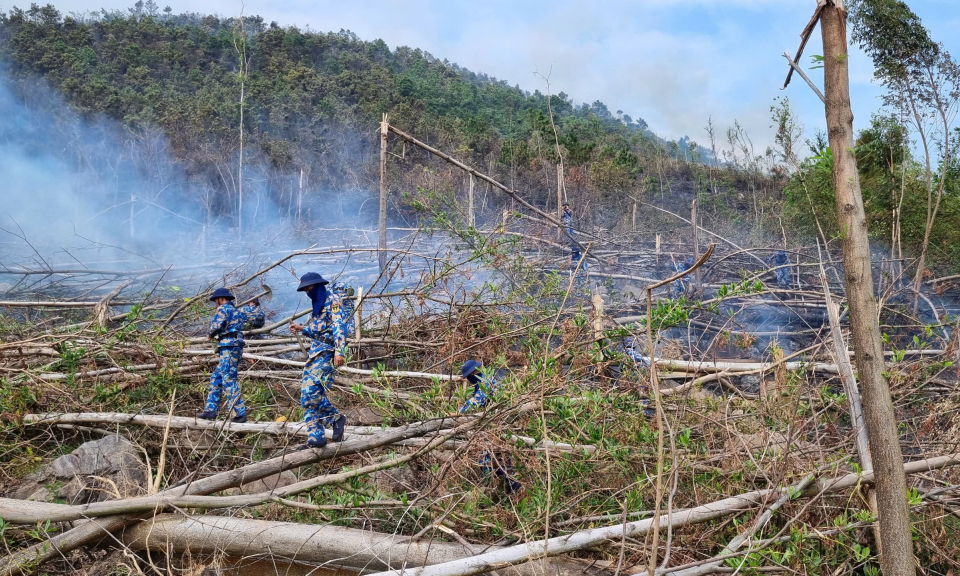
<point>328,330</point>
<point>349,303</point>
<point>567,219</point>
<point>227,327</point>
<point>783,274</point>
<point>682,285</point>
<point>497,462</point>
<point>631,352</point>
<point>580,274</point>
<point>482,392</point>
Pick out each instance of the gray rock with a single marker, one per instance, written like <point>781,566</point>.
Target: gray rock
<point>198,439</point>
<point>750,383</point>
<point>363,416</point>
<point>395,480</point>
<point>269,483</point>
<point>95,471</point>
<point>42,494</point>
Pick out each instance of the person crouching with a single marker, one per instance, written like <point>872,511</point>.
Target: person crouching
<point>227,329</point>
<point>485,385</point>
<point>327,328</point>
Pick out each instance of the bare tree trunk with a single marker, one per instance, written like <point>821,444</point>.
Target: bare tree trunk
<point>932,210</point>
<point>300,196</point>
<point>471,221</point>
<point>696,245</point>
<point>384,128</point>
<point>895,546</point>
<point>241,48</point>
<point>559,200</point>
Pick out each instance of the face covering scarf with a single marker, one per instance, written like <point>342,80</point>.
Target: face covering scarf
<point>318,295</point>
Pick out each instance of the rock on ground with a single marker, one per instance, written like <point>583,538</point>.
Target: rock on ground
<point>104,469</point>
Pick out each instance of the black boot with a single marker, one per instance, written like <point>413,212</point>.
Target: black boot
<point>207,415</point>
<point>314,444</point>
<point>338,427</point>
<point>240,419</point>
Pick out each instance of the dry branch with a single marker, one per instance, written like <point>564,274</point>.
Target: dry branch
<point>326,544</point>
<point>29,559</point>
<point>522,553</point>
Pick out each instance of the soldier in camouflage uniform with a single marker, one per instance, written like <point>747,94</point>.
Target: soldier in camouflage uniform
<point>327,328</point>
<point>580,269</point>
<point>639,361</point>
<point>227,329</point>
<point>783,274</point>
<point>567,218</point>
<point>682,285</point>
<point>485,386</point>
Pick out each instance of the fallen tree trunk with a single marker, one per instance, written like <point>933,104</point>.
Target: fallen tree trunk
<point>335,546</point>
<point>193,423</point>
<point>27,560</point>
<point>19,512</point>
<point>349,370</point>
<point>709,366</point>
<point>272,428</point>
<point>521,553</point>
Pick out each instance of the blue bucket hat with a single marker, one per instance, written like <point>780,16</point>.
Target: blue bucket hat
<point>221,293</point>
<point>310,279</point>
<point>468,367</point>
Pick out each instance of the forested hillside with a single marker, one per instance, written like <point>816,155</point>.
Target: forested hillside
<point>311,102</point>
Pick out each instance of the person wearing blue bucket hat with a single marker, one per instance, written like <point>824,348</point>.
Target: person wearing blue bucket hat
<point>327,328</point>
<point>485,385</point>
<point>227,329</point>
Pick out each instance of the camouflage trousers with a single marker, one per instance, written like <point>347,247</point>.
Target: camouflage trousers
<point>224,379</point>
<point>783,277</point>
<point>318,412</point>
<point>501,465</point>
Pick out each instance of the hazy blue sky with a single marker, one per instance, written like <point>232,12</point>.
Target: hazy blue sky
<point>670,62</point>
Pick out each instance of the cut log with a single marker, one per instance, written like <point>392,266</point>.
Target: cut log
<point>327,544</point>
<point>27,560</point>
<point>19,512</point>
<point>192,423</point>
<point>521,553</point>
<point>272,428</point>
<point>349,370</point>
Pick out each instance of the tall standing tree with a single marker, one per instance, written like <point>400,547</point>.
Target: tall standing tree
<point>922,81</point>
<point>240,45</point>
<point>896,544</point>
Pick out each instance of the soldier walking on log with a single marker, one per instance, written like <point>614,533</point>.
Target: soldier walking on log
<point>327,328</point>
<point>227,329</point>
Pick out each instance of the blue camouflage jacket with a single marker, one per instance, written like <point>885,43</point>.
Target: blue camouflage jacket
<point>631,352</point>
<point>483,390</point>
<point>349,305</point>
<point>328,330</point>
<point>227,323</point>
